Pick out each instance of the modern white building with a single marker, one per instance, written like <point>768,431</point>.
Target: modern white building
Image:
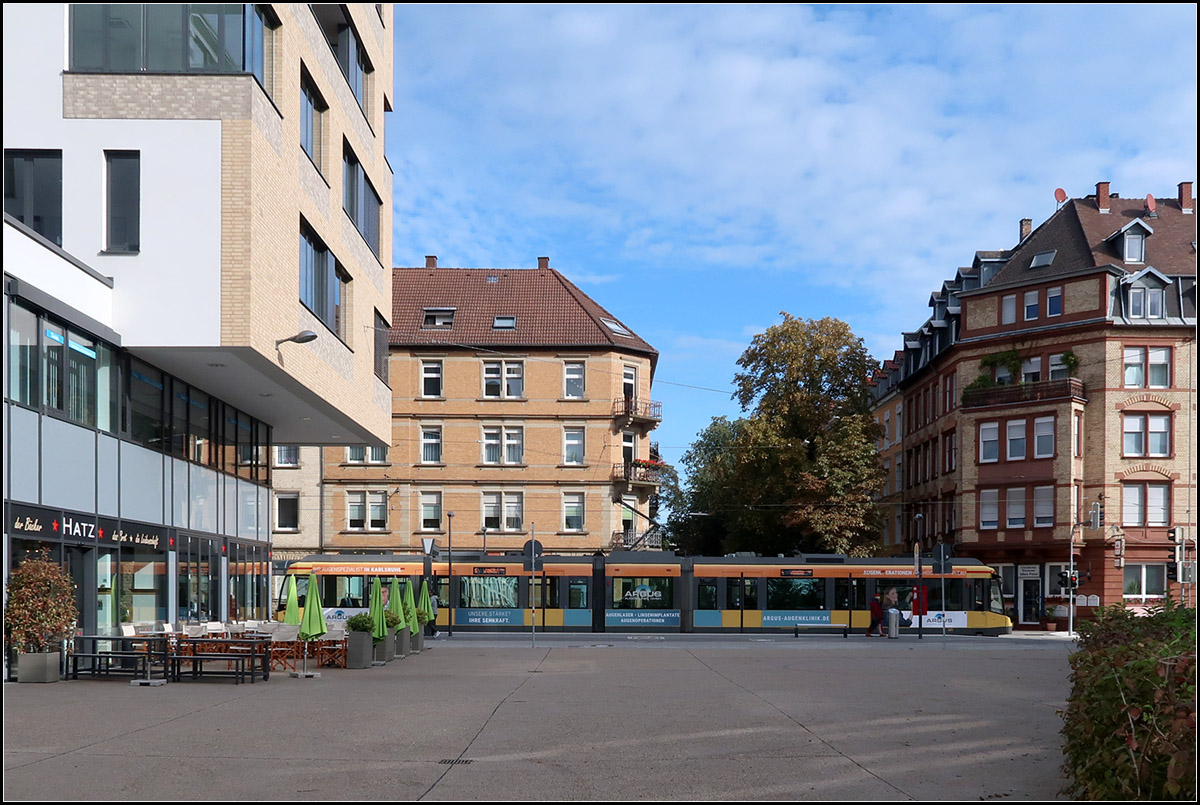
<point>196,266</point>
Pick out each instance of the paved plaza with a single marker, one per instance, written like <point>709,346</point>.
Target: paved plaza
<point>582,717</point>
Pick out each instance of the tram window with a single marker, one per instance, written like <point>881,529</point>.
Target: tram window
<point>995,601</point>
<point>348,591</point>
<point>795,594</point>
<point>546,593</point>
<point>850,593</point>
<point>734,601</point>
<point>954,595</point>
<point>897,596</point>
<point>488,592</point>
<point>577,595</point>
<point>653,592</point>
<point>706,594</point>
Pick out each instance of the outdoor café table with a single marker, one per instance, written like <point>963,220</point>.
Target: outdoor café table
<point>154,645</point>
<point>256,650</point>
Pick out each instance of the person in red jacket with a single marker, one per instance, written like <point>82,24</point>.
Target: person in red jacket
<point>876,617</point>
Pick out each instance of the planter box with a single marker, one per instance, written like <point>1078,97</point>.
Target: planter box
<point>385,649</point>
<point>359,651</point>
<point>39,667</point>
<point>1050,626</point>
<point>403,643</point>
<point>418,640</point>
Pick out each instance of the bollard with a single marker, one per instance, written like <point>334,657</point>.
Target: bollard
<point>845,632</point>
<point>893,623</point>
<point>796,633</point>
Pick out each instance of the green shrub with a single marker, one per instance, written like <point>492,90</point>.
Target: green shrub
<point>362,622</point>
<point>393,620</point>
<point>423,616</point>
<point>1130,725</point>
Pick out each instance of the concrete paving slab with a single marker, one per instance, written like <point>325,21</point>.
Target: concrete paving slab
<point>589,717</point>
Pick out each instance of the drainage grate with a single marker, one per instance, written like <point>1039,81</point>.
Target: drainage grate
<point>453,762</point>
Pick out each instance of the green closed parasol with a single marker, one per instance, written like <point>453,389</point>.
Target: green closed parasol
<point>291,611</point>
<point>378,618</point>
<point>395,605</point>
<point>312,625</point>
<point>411,608</point>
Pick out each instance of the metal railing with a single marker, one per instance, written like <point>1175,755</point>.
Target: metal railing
<point>1063,388</point>
<point>637,409</point>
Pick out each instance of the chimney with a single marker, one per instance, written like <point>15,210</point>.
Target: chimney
<point>543,262</point>
<point>1026,228</point>
<point>431,261</point>
<point>1102,196</point>
<point>1185,197</point>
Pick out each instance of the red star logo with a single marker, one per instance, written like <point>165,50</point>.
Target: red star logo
<point>101,530</point>
<point>55,524</point>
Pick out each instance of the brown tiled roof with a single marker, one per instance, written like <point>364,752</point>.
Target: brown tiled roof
<point>550,310</point>
<point>1079,233</point>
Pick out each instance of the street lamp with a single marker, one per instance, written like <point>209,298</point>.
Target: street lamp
<point>302,337</point>
<point>450,569</point>
<point>485,540</point>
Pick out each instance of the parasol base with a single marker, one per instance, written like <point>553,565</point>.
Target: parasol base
<point>378,662</point>
<point>153,683</point>
<point>305,674</point>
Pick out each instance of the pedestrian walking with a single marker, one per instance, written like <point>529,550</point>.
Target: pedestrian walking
<point>876,617</point>
<point>431,627</point>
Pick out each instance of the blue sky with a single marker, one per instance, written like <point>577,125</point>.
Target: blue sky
<point>698,169</point>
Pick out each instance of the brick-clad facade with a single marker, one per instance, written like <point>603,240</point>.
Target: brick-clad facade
<point>1071,354</point>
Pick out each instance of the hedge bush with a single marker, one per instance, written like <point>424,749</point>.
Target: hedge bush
<point>1130,723</point>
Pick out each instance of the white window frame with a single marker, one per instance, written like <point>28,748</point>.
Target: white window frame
<point>372,455</point>
<point>431,437</point>
<point>569,368</point>
<point>989,509</point>
<point>501,373</point>
<point>989,433</point>
<point>1008,309</point>
<point>1031,370</point>
<point>1052,294</point>
<point>1133,358</point>
<point>1145,504</point>
<point>1158,357</point>
<point>279,455</point>
<point>1031,305</point>
<point>502,438</point>
<point>1135,247</point>
<point>1043,437</point>
<point>1003,376</point>
<point>568,432</point>
<point>568,499</point>
<point>278,496</point>
<point>426,499</point>
<point>629,377</point>
<point>1058,367</point>
<point>1137,303</point>
<point>1014,507</point>
<point>1077,435</point>
<point>1159,570</point>
<point>1014,437</point>
<point>1043,506</point>
<point>432,370</point>
<point>369,501</point>
<point>1156,303</point>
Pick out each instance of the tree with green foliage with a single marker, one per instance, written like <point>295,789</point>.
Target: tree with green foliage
<point>799,472</point>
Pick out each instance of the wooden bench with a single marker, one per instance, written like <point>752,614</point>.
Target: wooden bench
<point>234,665</point>
<point>136,663</point>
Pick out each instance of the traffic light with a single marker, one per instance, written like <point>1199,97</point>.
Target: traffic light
<point>1172,571</point>
<point>1064,579</point>
<point>1096,520</point>
<point>1074,579</point>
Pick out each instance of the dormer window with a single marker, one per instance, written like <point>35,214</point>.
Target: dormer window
<point>1146,303</point>
<point>441,318</point>
<point>1131,240</point>
<point>504,323</point>
<point>1135,247</point>
<point>1043,259</point>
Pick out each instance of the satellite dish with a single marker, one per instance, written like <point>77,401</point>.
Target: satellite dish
<point>1060,195</point>
<point>1151,204</point>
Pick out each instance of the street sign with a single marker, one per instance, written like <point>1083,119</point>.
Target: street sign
<point>533,555</point>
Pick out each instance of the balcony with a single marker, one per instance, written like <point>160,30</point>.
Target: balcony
<point>638,473</point>
<point>1063,389</point>
<point>631,540</point>
<point>631,411</point>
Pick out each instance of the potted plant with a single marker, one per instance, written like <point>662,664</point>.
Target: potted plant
<point>389,641</point>
<point>403,636</point>
<point>417,639</point>
<point>423,618</point>
<point>359,644</point>
<point>39,614</point>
